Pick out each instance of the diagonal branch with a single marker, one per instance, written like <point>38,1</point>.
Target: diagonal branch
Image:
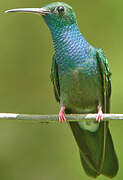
<point>54,118</point>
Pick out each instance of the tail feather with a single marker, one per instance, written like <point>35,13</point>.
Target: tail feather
<point>110,164</point>
<point>96,147</point>
<point>89,170</point>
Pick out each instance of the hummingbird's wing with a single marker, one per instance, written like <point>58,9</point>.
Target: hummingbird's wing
<point>106,75</point>
<point>110,162</point>
<point>55,79</point>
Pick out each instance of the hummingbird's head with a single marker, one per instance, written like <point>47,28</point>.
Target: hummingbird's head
<point>60,15</point>
<point>57,14</point>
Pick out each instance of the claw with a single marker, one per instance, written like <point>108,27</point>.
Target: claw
<point>62,117</point>
<point>99,117</point>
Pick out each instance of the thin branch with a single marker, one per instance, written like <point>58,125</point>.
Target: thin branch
<point>54,118</point>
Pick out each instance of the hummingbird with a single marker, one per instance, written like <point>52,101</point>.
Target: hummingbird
<point>81,80</point>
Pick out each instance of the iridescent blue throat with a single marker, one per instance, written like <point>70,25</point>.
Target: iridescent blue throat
<point>71,49</point>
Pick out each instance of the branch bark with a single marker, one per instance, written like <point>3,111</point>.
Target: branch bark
<point>54,118</point>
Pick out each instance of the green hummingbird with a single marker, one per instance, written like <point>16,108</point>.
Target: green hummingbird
<point>80,75</point>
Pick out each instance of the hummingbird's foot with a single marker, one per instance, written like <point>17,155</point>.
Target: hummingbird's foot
<point>62,117</point>
<point>99,117</point>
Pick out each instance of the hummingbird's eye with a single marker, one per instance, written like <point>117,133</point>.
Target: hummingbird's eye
<point>60,9</point>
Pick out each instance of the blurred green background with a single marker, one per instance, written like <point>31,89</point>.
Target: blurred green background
<point>48,151</point>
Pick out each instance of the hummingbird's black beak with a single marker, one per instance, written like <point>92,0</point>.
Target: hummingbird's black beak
<point>40,11</point>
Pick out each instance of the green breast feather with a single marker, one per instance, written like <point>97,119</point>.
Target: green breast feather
<point>104,70</point>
